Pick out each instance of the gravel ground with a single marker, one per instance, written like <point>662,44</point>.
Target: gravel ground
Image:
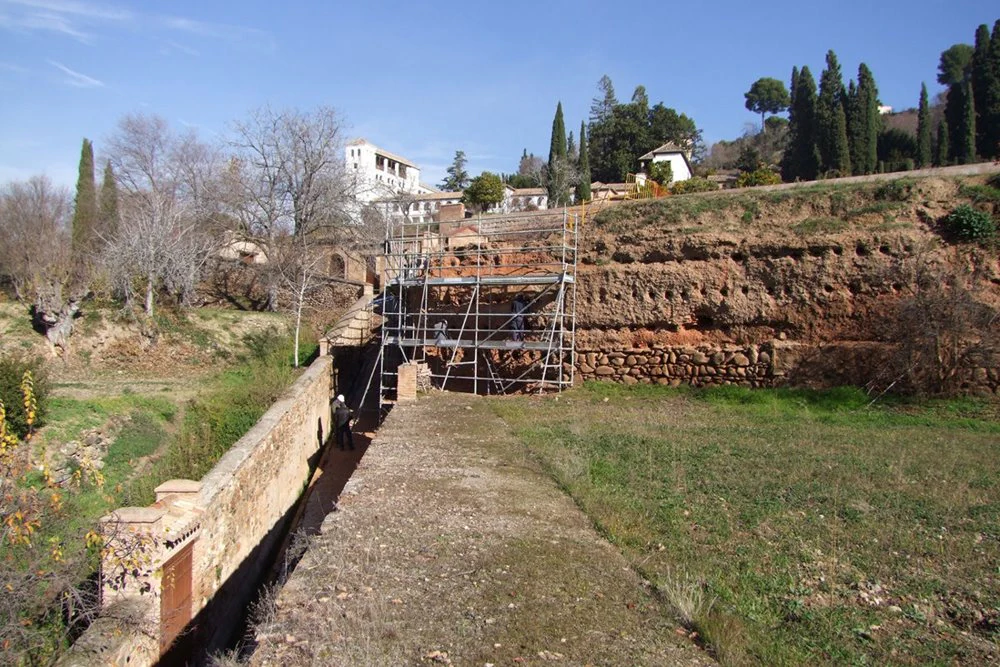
<point>448,546</point>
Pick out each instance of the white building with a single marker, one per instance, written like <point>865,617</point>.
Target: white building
<point>679,159</point>
<point>380,174</point>
<point>393,182</point>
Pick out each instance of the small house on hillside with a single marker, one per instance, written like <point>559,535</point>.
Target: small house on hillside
<point>600,191</point>
<point>679,159</point>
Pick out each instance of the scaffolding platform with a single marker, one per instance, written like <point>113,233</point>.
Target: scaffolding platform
<point>489,280</point>
<point>462,297</point>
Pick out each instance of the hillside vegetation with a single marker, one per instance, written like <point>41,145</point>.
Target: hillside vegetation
<point>130,408</point>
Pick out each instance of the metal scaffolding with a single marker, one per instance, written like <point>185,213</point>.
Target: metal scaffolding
<point>489,304</point>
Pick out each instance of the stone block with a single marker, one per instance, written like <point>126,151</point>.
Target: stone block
<point>406,383</point>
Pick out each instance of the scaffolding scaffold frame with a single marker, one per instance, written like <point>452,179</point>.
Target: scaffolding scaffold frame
<point>488,303</point>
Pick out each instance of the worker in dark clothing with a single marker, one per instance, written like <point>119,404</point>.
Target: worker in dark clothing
<point>518,307</point>
<point>342,423</point>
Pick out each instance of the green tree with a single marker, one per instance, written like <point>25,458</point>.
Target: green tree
<point>923,130</point>
<point>870,120</point>
<point>789,159</point>
<point>966,147</point>
<point>572,152</point>
<point>832,120</point>
<point>583,180</point>
<point>557,180</point>
<point>457,178</point>
<point>108,216</point>
<point>85,206</point>
<point>601,128</point>
<point>484,191</point>
<point>803,153</point>
<point>990,104</point>
<point>942,157</point>
<point>661,172</point>
<point>767,95</point>
<point>954,70</point>
<point>981,75</point>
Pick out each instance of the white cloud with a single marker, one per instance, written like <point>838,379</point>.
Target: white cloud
<point>229,33</point>
<point>172,46</point>
<point>45,22</point>
<point>77,79</point>
<point>83,9</point>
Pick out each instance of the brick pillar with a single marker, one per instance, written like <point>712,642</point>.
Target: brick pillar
<point>406,387</point>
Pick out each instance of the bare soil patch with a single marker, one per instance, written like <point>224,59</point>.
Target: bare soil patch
<point>449,546</point>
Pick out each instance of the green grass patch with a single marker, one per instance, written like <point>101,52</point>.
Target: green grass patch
<point>819,225</point>
<point>980,194</point>
<point>826,529</point>
<point>221,414</point>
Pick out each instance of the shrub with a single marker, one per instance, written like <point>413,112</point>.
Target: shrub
<point>759,176</point>
<point>894,190</point>
<point>661,172</point>
<point>695,184</point>
<point>12,368</point>
<point>970,224</point>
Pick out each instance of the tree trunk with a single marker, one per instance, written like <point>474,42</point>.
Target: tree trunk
<point>56,322</point>
<point>149,297</point>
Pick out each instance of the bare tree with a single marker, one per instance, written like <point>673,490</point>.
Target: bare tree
<point>35,254</point>
<point>171,205</point>
<point>292,171</point>
<point>291,192</point>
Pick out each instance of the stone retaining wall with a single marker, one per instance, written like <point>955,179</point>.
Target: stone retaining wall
<point>770,364</point>
<point>750,365</point>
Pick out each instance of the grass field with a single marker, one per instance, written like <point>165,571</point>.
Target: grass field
<point>791,527</point>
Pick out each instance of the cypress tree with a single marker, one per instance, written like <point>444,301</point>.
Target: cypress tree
<point>108,218</point>
<point>583,186</point>
<point>991,104</point>
<point>557,159</point>
<point>841,148</point>
<point>923,130</point>
<point>954,72</point>
<point>967,142</point>
<point>872,122</point>
<point>831,120</point>
<point>855,128</point>
<point>807,158</point>
<point>85,205</point>
<point>981,75</point>
<point>943,156</point>
<point>789,164</point>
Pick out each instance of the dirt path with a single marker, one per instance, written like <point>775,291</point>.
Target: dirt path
<point>449,547</point>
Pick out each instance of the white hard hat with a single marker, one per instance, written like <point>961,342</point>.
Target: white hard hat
<point>340,397</point>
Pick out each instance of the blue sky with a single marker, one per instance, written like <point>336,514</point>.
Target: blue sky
<point>426,79</point>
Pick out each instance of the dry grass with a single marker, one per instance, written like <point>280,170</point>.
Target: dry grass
<point>827,531</point>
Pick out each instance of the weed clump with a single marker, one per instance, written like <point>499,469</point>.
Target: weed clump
<point>969,224</point>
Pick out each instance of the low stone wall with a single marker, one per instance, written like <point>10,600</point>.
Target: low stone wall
<point>211,541</point>
<point>750,365</point>
<point>770,364</point>
<point>249,495</point>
